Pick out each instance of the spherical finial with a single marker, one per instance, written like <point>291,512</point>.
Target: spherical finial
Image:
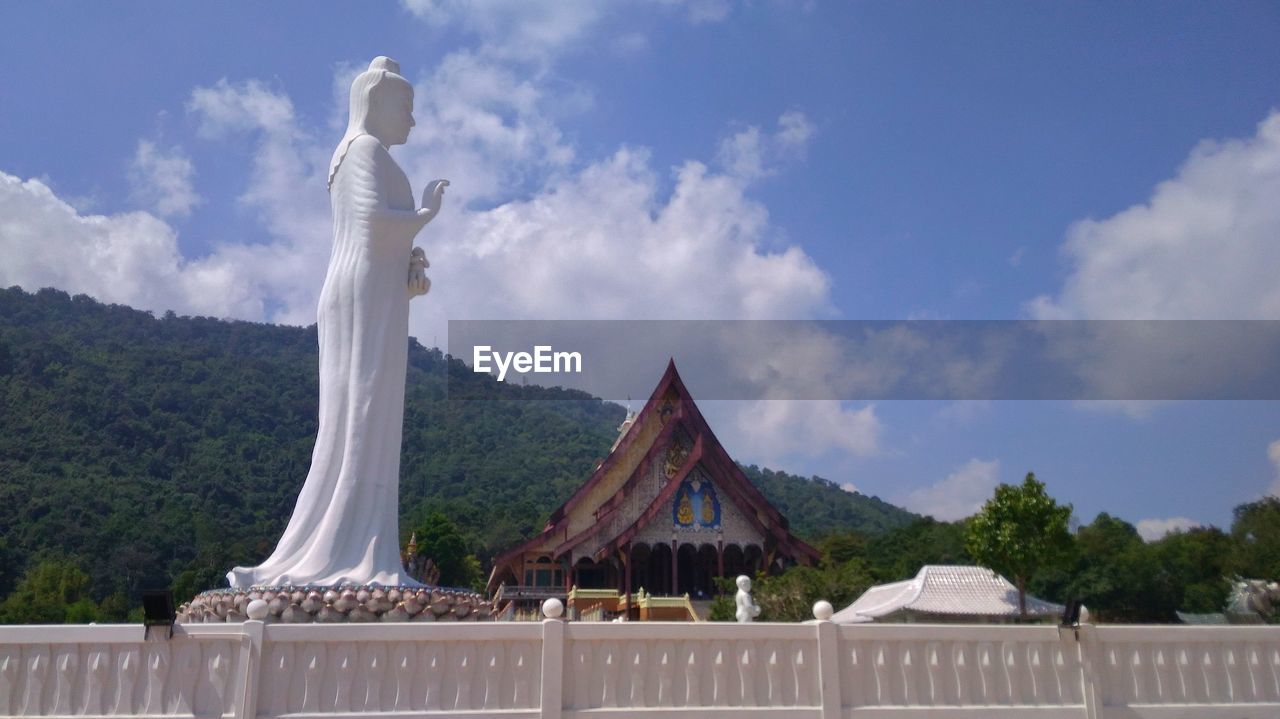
<point>822,610</point>
<point>552,608</point>
<point>257,609</point>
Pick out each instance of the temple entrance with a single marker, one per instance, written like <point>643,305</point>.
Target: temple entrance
<point>651,568</point>
<point>592,575</point>
<point>660,565</point>
<point>687,559</point>
<point>696,567</point>
<point>743,560</point>
<point>697,570</point>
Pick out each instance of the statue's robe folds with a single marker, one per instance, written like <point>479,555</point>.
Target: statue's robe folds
<point>344,528</point>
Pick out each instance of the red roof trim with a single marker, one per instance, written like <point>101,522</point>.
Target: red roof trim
<point>630,438</point>
<point>611,505</point>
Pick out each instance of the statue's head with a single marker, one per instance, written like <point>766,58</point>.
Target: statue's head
<point>381,106</point>
<point>744,582</point>
<point>382,102</point>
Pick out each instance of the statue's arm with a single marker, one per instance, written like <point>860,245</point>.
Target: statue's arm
<point>373,169</point>
<point>432,196</point>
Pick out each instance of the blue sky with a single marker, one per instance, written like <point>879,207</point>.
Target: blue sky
<point>706,159</point>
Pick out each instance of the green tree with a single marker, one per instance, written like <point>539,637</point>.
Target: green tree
<point>1018,531</point>
<point>1194,569</point>
<point>1256,529</point>
<point>723,606</point>
<point>841,577</point>
<point>789,597</point>
<point>55,591</point>
<point>1111,570</point>
<point>440,541</point>
<point>900,553</point>
<point>844,546</point>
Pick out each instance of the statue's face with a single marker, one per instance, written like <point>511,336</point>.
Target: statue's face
<point>391,113</point>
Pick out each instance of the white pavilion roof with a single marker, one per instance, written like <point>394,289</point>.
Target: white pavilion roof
<point>945,590</point>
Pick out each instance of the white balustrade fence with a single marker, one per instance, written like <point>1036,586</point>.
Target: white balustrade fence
<point>554,669</point>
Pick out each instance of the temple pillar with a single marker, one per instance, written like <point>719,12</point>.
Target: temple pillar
<point>626,581</point>
<point>675,568</point>
<point>720,556</point>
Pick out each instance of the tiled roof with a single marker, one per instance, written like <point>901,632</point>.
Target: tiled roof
<point>945,590</point>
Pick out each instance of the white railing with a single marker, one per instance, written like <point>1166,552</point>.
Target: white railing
<point>557,669</point>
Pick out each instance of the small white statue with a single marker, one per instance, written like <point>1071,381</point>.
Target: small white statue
<point>747,609</point>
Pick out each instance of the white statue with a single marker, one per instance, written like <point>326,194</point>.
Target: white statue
<point>747,609</point>
<point>344,527</point>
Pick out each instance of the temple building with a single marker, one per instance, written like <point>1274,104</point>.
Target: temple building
<point>663,515</point>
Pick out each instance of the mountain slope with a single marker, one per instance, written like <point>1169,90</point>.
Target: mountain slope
<point>155,451</point>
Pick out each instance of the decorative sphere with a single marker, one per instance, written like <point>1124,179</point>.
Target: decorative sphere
<point>257,610</point>
<point>552,608</point>
<point>822,610</point>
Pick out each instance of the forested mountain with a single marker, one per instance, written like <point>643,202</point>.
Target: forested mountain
<point>162,451</point>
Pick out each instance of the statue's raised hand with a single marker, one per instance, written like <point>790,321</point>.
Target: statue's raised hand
<point>432,195</point>
<point>419,283</point>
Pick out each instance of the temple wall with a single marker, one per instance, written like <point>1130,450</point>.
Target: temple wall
<point>557,669</point>
<point>733,525</point>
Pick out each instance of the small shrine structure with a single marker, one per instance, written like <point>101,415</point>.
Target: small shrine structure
<point>946,593</point>
<point>663,515</point>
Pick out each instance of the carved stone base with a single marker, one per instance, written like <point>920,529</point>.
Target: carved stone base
<point>347,603</point>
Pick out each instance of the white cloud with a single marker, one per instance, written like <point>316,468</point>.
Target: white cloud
<point>163,180</point>
<point>1153,529</point>
<point>775,431</point>
<point>751,154</point>
<point>1273,453</point>
<point>514,29</point>
<point>964,412</point>
<point>285,190</point>
<point>629,44</point>
<point>600,239</point>
<point>743,153</point>
<point>227,108</point>
<point>131,258</point>
<point>1203,247</point>
<point>850,487</point>
<point>794,131</point>
<point>960,495</point>
<point>702,11</point>
<point>1015,259</point>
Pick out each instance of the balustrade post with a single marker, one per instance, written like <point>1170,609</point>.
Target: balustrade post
<point>246,706</point>
<point>552,668</point>
<point>1090,660</point>
<point>829,669</point>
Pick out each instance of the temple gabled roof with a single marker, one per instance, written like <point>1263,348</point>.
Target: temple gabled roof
<point>603,496</point>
